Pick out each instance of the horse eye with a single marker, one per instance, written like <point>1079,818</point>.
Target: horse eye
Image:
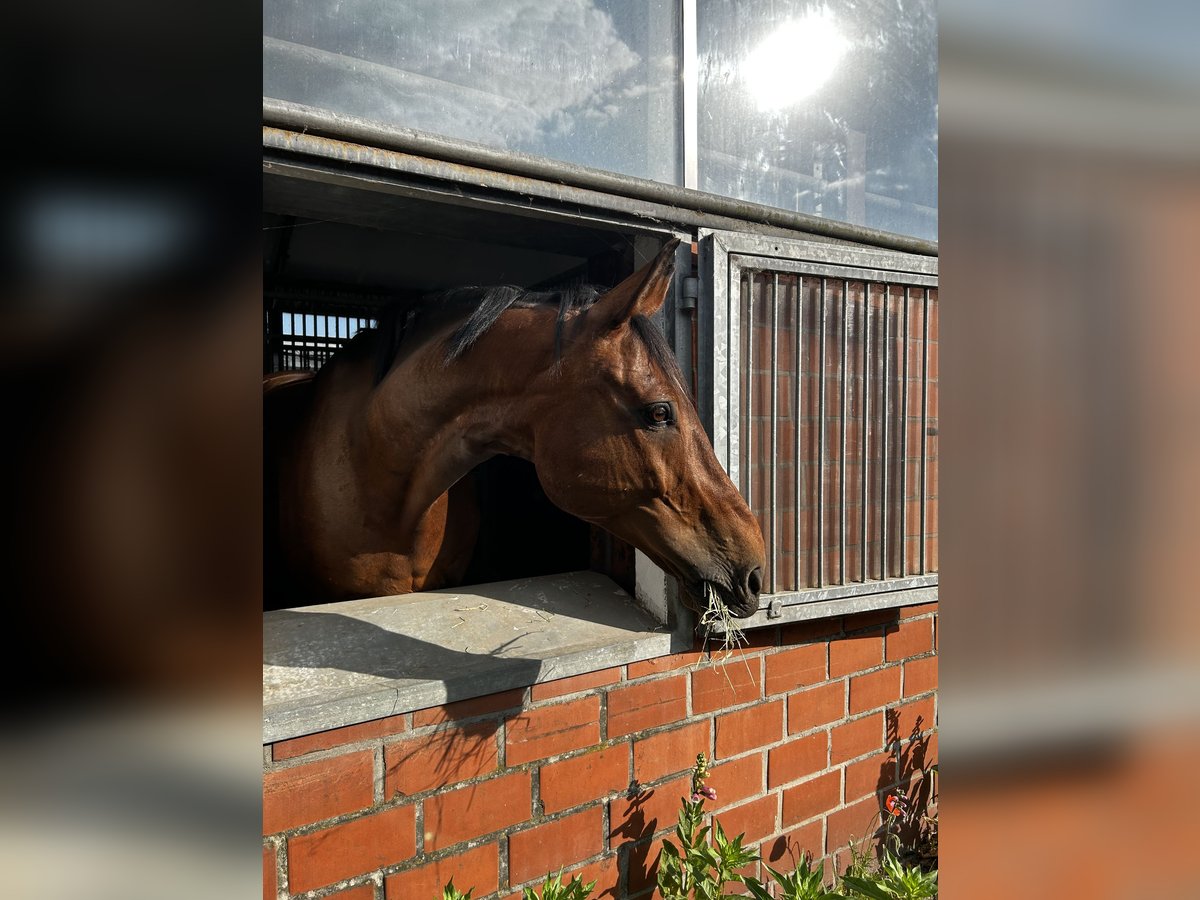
<point>659,414</point>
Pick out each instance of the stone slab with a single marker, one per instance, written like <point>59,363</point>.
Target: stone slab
<point>343,663</point>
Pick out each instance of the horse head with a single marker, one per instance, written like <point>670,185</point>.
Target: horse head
<point>628,452</point>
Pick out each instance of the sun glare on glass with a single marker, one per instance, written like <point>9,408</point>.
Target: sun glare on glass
<point>795,60</point>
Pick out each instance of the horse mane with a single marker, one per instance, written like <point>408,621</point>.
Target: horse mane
<point>398,323</point>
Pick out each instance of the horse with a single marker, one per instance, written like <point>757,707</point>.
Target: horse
<point>372,498</point>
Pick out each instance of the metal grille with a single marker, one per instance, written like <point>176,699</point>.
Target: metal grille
<point>304,334</point>
<point>838,424</point>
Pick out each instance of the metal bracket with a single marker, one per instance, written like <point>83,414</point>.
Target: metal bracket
<point>775,609</point>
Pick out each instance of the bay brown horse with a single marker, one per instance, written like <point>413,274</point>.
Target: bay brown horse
<point>372,495</point>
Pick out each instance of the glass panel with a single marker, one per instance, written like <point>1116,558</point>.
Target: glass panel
<point>825,108</point>
<point>594,82</point>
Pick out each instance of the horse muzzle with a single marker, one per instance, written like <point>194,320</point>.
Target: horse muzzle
<point>740,598</point>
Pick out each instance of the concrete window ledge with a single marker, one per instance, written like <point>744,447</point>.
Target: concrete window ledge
<point>344,663</point>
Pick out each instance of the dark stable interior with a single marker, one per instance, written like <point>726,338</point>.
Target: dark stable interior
<point>324,253</point>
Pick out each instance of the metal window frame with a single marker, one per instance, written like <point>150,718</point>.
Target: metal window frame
<point>723,256</point>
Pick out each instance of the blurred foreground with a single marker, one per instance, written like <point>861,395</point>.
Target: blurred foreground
<point>129,362</point>
<point>1070,210</point>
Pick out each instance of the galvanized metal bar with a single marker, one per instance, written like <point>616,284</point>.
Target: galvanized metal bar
<point>924,419</point>
<point>820,536</point>
<point>845,377</point>
<point>883,503</point>
<point>774,423</point>
<point>727,365</point>
<point>816,252</point>
<point>748,438</point>
<point>904,446</point>
<point>812,605</point>
<point>318,124</point>
<point>866,418</point>
<point>798,460</point>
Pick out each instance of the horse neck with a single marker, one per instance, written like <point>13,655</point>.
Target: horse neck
<point>429,423</point>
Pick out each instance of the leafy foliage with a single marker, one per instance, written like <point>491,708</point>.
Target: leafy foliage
<point>894,881</point>
<point>802,883</point>
<point>554,889</point>
<point>450,892</point>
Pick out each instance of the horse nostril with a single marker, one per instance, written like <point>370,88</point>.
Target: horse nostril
<point>754,582</point>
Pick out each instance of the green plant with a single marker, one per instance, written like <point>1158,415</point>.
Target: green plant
<point>802,883</point>
<point>894,881</point>
<point>706,859</point>
<point>698,869</point>
<point>450,892</point>
<point>554,889</point>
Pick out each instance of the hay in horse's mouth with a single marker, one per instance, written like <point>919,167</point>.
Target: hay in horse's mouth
<point>716,611</point>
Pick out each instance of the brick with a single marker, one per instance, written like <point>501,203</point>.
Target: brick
<point>548,730</point>
<point>729,684</point>
<point>270,876</point>
<point>856,738</point>
<point>854,654</point>
<point>648,812</point>
<point>670,751</point>
<point>792,669</point>
<point>356,847</point>
<point>874,690</point>
<point>646,705</point>
<point>755,819</point>
<point>798,758</point>
<point>663,664</point>
<point>755,641</point>
<point>930,756</point>
<point>438,760</point>
<point>915,758</point>
<point>604,872</point>
<point>811,798</point>
<point>917,714</point>
<point>562,686</point>
<point>924,609</point>
<point>854,822</point>
<point>814,630</point>
<point>737,779</point>
<point>336,737</point>
<point>362,892</point>
<point>859,621</point>
<point>869,776</point>
<point>816,707</point>
<point>477,810</point>
<point>912,638</point>
<point>578,780</point>
<point>782,853</point>
<point>641,864</point>
<point>313,792</point>
<point>478,868</point>
<point>747,729</point>
<point>920,676</point>
<point>469,709</point>
<point>546,848</point>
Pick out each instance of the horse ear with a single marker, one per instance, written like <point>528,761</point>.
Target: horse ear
<point>641,294</point>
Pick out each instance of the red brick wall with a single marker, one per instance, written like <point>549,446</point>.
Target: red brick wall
<point>808,729</point>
